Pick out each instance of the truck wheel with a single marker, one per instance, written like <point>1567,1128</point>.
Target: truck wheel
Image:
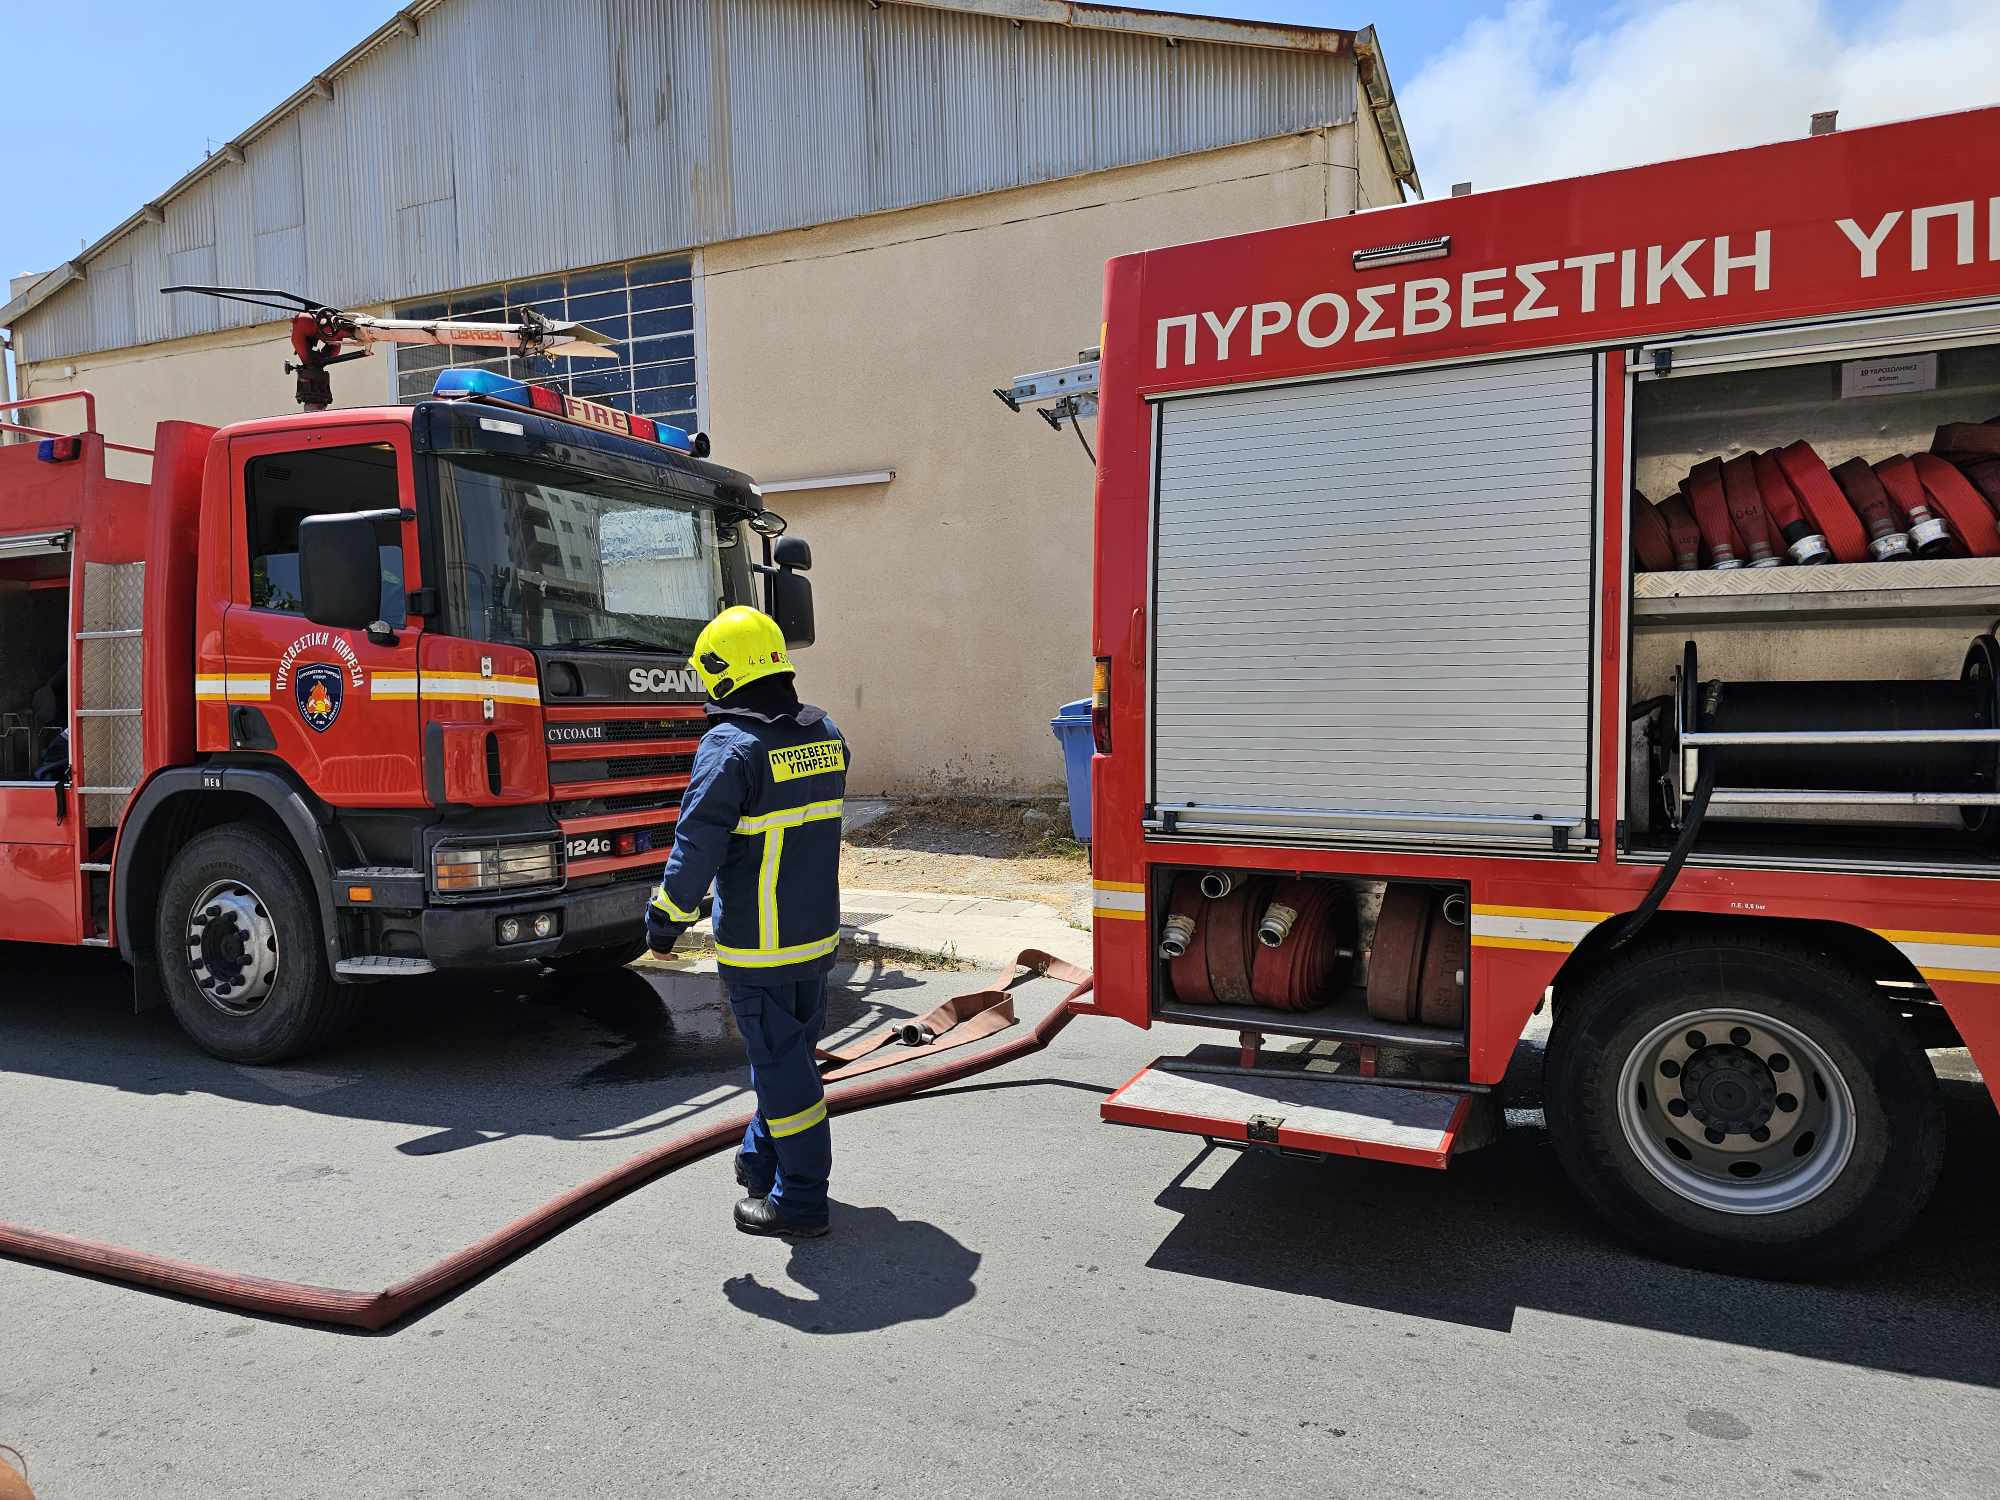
<point>242,952</point>
<point>1749,1107</point>
<point>588,961</point>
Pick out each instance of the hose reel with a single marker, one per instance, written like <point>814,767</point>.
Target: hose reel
<point>1780,746</point>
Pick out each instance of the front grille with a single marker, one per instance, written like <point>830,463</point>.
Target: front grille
<point>590,807</point>
<point>616,731</point>
<point>649,765</point>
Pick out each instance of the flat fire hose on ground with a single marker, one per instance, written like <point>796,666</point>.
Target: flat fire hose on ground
<point>373,1311</point>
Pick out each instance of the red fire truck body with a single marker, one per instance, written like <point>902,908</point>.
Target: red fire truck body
<point>1367,614</point>
<point>358,694</point>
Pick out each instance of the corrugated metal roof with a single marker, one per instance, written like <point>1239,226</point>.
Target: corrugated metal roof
<point>474,141</point>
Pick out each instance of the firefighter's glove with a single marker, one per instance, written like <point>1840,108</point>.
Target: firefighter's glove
<point>662,931</point>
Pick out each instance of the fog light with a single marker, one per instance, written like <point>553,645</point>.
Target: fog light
<point>510,929</point>
<point>545,924</point>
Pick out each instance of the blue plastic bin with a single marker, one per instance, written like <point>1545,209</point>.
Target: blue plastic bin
<point>1072,727</point>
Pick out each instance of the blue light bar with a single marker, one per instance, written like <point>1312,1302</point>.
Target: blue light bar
<point>481,383</point>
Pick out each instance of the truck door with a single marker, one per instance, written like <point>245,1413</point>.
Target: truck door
<point>338,706</point>
<point>1372,606</point>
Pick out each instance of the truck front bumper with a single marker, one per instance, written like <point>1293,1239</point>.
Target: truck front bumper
<point>468,937</point>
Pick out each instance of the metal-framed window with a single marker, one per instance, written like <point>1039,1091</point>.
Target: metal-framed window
<point>646,307</point>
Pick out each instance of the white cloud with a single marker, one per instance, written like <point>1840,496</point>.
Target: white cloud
<point>1523,98</point>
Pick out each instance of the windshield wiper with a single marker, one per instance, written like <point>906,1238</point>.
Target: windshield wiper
<point>616,643</point>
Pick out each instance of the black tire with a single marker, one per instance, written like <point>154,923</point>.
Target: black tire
<point>303,1009</point>
<point>588,961</point>
<point>1884,1106</point>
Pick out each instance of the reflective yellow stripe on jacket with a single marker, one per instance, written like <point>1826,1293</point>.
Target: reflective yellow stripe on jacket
<point>767,954</point>
<point>772,958</point>
<point>663,902</point>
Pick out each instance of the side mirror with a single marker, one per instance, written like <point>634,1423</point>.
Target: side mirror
<point>340,569</point>
<point>792,552</point>
<point>790,597</point>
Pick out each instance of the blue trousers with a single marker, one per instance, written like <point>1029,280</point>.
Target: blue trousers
<point>788,1148</point>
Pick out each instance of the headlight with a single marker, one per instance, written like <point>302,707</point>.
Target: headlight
<point>472,869</point>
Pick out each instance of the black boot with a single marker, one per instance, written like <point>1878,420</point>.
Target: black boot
<point>743,1179</point>
<point>758,1216</point>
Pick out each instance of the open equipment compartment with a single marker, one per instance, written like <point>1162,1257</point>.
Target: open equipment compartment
<point>1371,962</point>
<point>1848,705</point>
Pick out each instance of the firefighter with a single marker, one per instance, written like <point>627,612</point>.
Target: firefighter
<point>761,819</point>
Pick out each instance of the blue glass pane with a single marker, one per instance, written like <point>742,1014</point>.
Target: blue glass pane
<point>600,305</point>
<point>652,351</point>
<point>421,357</point>
<point>672,398</point>
<point>674,372</point>
<point>486,305</point>
<point>423,312</point>
<point>673,294</point>
<point>662,321</point>
<point>523,293</point>
<point>601,383</point>
<point>674,268</point>
<point>581,283</point>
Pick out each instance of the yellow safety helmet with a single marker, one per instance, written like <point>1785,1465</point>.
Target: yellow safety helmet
<point>738,647</point>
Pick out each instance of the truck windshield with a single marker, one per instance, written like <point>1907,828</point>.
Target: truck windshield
<point>541,556</point>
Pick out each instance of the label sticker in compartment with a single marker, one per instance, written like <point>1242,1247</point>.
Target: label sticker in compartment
<point>1883,377</point>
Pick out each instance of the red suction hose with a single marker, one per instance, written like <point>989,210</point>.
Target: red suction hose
<point>375,1310</point>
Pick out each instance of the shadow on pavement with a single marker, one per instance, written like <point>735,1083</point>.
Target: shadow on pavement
<point>467,1060</point>
<point>1501,1230</point>
<point>874,1271</point>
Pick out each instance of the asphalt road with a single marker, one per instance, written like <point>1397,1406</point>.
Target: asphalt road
<point>1017,1298</point>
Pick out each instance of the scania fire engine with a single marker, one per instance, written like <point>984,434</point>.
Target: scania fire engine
<point>354,695</point>
<point>1581,599</point>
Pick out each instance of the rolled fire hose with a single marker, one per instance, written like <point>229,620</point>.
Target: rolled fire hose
<point>1929,532</point>
<point>1968,442</point>
<point>1652,543</point>
<point>335,1307</point>
<point>1305,945</point>
<point>1857,481</point>
<point>1746,510</point>
<point>1703,489</point>
<point>1824,503</point>
<point>1984,474</point>
<point>1803,542</point>
<point>1969,516</point>
<point>1683,531</point>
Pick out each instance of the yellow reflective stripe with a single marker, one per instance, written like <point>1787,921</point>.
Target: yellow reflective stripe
<point>805,1119</point>
<point>791,817</point>
<point>767,888</point>
<point>663,902</point>
<point>771,958</point>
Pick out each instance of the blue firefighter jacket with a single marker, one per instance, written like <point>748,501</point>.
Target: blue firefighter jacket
<point>761,819</point>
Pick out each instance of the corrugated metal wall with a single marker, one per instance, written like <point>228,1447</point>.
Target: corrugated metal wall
<point>518,137</point>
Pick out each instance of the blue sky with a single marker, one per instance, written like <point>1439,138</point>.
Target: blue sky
<point>107,102</point>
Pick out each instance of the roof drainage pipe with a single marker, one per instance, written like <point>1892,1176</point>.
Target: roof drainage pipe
<point>374,1311</point>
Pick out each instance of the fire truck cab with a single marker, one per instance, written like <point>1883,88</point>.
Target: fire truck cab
<point>1576,598</point>
<point>358,694</point>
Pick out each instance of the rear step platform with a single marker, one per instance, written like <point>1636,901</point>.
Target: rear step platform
<point>1296,1111</point>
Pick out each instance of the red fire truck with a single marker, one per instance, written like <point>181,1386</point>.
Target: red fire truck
<point>359,694</point>
<point>1579,597</point>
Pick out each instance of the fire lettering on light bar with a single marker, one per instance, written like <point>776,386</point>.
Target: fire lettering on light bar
<point>1683,271</point>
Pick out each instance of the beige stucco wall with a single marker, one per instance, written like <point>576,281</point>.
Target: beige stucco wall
<point>1378,185</point>
<point>954,601</point>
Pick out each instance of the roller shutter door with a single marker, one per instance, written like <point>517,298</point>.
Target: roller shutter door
<point>1372,604</point>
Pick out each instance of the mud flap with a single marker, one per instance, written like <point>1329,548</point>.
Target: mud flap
<point>1298,1112</point>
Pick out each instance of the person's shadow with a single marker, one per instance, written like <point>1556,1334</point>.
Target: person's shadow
<point>874,1271</point>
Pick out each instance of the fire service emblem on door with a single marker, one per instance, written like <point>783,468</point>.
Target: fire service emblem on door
<point>320,689</point>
